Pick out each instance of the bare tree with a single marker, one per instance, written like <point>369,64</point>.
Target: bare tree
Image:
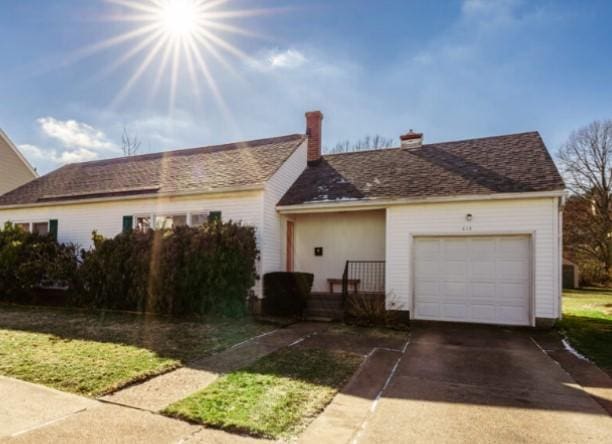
<point>130,145</point>
<point>366,143</point>
<point>586,161</point>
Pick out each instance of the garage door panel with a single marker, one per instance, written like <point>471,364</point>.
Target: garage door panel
<point>480,270</point>
<point>455,290</point>
<point>454,311</point>
<point>511,315</point>
<point>455,250</point>
<point>483,313</point>
<point>428,249</point>
<point>511,293</point>
<point>427,310</point>
<point>483,290</point>
<point>473,279</point>
<point>482,249</point>
<point>427,269</point>
<point>512,248</point>
<point>513,269</point>
<point>455,270</point>
<point>427,288</point>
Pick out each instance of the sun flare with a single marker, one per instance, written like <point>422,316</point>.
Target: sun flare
<point>179,18</point>
<point>170,36</point>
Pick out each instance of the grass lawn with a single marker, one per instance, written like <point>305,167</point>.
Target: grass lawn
<point>94,353</point>
<point>587,322</point>
<point>275,397</point>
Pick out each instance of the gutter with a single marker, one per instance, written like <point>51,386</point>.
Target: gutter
<point>167,195</point>
<point>375,204</point>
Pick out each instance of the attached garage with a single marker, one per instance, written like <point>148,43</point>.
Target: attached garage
<point>480,279</point>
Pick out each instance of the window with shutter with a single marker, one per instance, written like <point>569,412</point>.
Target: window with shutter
<point>53,228</point>
<point>128,223</point>
<point>214,216</point>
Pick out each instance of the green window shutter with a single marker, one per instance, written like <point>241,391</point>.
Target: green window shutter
<point>53,225</point>
<point>214,216</point>
<point>128,223</point>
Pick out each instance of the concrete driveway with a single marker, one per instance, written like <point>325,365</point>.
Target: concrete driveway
<point>477,384</point>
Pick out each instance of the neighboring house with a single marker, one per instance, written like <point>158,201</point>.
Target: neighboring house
<point>458,231</point>
<point>15,170</point>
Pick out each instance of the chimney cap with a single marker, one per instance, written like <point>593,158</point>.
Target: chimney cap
<point>315,113</point>
<point>411,135</point>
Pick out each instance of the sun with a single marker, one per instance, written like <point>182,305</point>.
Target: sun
<point>171,36</point>
<point>179,18</point>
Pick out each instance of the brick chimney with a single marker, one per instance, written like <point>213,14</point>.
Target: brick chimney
<point>314,120</point>
<point>411,139</point>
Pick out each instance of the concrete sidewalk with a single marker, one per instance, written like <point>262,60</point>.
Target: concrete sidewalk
<point>159,392</point>
<point>25,406</point>
<point>31,413</point>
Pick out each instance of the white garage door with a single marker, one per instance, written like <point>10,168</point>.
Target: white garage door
<point>473,279</point>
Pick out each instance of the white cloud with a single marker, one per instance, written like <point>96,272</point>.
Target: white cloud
<point>32,151</point>
<point>76,135</point>
<point>276,59</point>
<point>289,59</point>
<point>57,157</point>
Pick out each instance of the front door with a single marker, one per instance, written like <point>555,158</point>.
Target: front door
<point>290,245</point>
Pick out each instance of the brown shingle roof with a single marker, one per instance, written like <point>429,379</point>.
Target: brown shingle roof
<point>196,169</point>
<point>502,164</point>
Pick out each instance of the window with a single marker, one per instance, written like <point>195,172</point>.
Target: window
<point>40,228</point>
<point>25,226</point>
<point>143,223</point>
<point>168,222</point>
<point>198,219</point>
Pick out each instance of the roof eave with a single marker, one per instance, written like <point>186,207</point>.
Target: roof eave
<point>374,203</point>
<point>206,192</point>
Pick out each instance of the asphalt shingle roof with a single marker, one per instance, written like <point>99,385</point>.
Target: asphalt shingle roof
<point>196,169</point>
<point>503,164</point>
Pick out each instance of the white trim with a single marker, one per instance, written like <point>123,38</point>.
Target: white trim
<point>532,255</point>
<point>359,204</point>
<point>220,191</point>
<point>11,145</point>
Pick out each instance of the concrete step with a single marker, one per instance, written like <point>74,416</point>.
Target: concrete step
<point>324,303</point>
<point>323,314</point>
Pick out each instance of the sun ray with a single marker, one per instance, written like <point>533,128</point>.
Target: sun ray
<point>137,5</point>
<point>138,73</point>
<point>176,51</point>
<point>134,51</point>
<point>178,41</point>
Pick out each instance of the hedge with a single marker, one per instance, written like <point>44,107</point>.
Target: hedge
<point>286,293</point>
<point>183,271</point>
<point>30,260</point>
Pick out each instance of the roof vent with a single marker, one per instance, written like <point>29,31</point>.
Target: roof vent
<point>411,139</point>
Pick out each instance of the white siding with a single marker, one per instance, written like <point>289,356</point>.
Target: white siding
<point>539,217</point>
<point>352,235</point>
<point>273,230</point>
<point>13,171</point>
<point>76,222</point>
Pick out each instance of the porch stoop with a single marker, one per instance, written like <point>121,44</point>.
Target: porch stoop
<point>324,307</point>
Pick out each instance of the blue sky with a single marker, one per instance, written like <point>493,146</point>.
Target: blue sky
<point>452,70</point>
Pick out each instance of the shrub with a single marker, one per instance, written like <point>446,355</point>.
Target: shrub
<point>369,310</point>
<point>29,261</point>
<point>286,293</point>
<point>186,270</point>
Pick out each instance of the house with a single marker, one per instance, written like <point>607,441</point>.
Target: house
<point>15,170</point>
<point>465,231</point>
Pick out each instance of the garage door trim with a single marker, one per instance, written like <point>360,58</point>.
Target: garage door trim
<point>532,254</point>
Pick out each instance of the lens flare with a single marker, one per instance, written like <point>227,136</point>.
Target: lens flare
<point>170,36</point>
